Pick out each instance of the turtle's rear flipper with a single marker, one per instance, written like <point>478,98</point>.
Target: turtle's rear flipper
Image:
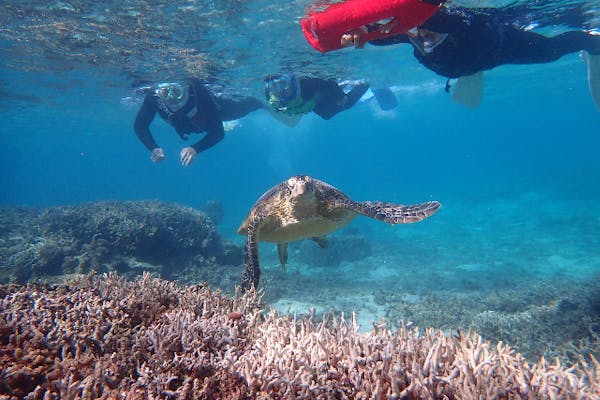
<point>283,254</point>
<point>321,241</point>
<point>396,213</point>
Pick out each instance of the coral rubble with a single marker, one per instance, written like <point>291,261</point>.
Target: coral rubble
<point>150,338</point>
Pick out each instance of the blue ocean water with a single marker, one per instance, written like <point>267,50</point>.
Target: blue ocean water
<point>518,177</point>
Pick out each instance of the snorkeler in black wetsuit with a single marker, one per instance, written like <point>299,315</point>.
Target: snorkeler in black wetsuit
<point>297,95</point>
<point>458,43</point>
<point>189,108</point>
<point>455,43</point>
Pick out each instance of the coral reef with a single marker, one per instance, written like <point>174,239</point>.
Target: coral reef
<point>214,210</point>
<point>550,319</point>
<point>107,337</point>
<point>127,237</point>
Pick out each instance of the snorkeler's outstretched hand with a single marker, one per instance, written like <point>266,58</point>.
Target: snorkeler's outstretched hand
<point>157,155</point>
<point>188,154</point>
<point>353,38</point>
<point>349,39</point>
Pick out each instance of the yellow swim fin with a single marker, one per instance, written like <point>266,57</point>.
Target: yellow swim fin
<point>468,90</point>
<point>593,71</point>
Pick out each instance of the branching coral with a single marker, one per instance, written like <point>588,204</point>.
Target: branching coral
<point>105,337</point>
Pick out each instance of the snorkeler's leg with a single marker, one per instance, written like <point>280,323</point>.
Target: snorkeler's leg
<point>593,70</point>
<point>355,94</point>
<point>333,99</point>
<point>526,47</point>
<point>385,98</point>
<point>330,100</point>
<point>570,42</point>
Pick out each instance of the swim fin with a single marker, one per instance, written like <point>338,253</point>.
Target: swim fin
<point>593,71</point>
<point>468,90</point>
<point>385,98</point>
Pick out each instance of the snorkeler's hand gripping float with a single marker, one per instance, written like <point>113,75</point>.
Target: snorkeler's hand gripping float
<point>324,29</point>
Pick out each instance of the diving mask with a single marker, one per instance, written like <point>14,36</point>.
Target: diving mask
<point>425,40</point>
<point>280,90</point>
<point>173,95</point>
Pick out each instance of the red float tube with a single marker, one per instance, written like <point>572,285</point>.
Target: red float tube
<point>324,29</point>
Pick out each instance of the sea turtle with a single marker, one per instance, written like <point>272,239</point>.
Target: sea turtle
<point>304,207</point>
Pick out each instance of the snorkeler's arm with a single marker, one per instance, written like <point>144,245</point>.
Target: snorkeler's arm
<point>142,122</point>
<point>206,103</point>
<point>214,134</point>
<point>391,40</point>
<point>355,37</point>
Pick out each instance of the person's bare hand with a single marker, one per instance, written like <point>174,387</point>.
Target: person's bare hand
<point>353,38</point>
<point>157,155</point>
<point>188,154</point>
<point>349,39</point>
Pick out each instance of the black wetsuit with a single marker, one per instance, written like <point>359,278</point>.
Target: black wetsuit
<point>203,112</point>
<point>478,42</point>
<point>328,97</point>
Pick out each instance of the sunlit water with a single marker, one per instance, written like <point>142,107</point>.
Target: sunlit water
<point>518,177</point>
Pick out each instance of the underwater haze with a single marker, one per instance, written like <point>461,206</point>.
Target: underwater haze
<point>514,252</point>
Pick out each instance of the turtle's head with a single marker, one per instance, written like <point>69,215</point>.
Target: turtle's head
<point>300,185</point>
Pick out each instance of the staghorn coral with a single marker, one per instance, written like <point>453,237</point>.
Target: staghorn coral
<point>105,337</point>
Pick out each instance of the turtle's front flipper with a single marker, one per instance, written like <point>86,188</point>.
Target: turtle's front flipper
<point>396,213</point>
<point>251,269</point>
<point>282,251</point>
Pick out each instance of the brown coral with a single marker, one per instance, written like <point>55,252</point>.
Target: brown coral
<point>113,236</point>
<point>110,338</point>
